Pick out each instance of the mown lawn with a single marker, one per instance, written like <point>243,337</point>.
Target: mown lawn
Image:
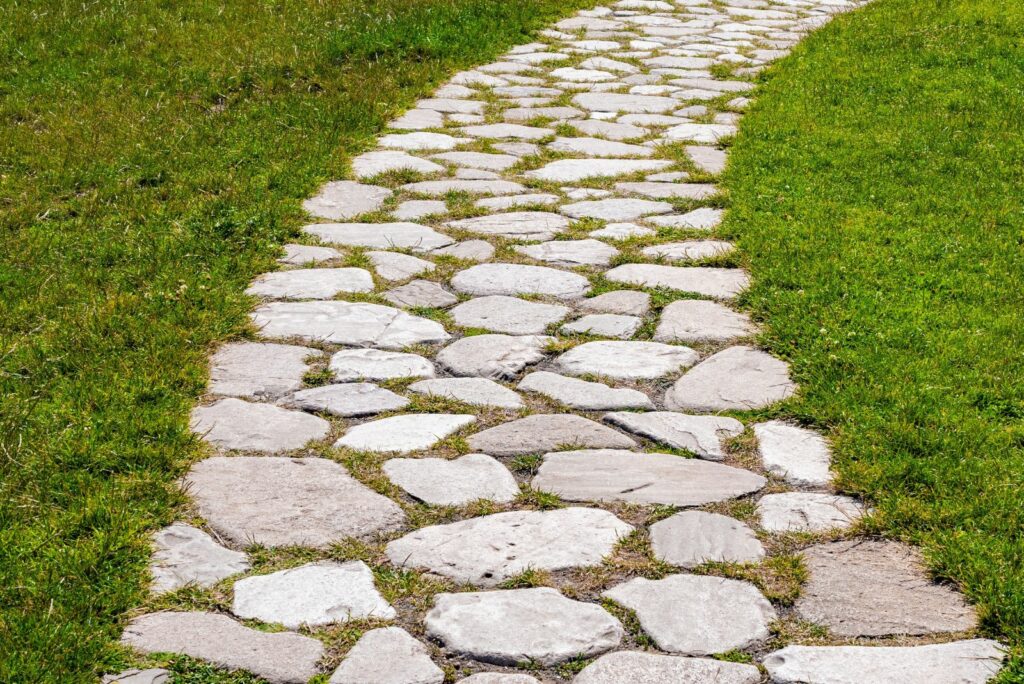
<point>877,189</point>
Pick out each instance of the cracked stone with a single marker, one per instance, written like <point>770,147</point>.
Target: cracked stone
<point>258,370</point>
<point>700,133</point>
<point>438,188</point>
<point>807,512</point>
<point>350,323</point>
<point>583,395</point>
<point>539,433</point>
<point>621,231</point>
<point>474,391</point>
<point>505,131</point>
<point>403,434</point>
<point>458,482</point>
<point>186,555</point>
<point>608,129</point>
<point>418,119</point>
<point>502,203</point>
<point>626,360</point>
<point>380,235</point>
<point>347,400</point>
<point>522,225</point>
<point>508,315</point>
<point>518,279</point>
<point>493,356</point>
<point>708,159</point>
<point>703,435</point>
<point>244,426</point>
<point>735,379</point>
<point>799,456</point>
<point>691,538</point>
<point>698,320</point>
<point>345,200</point>
<point>694,191</point>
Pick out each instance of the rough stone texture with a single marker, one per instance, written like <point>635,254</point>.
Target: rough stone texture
<point>626,360</point>
<point>621,231</point>
<point>474,391</point>
<point>595,147</point>
<point>547,432</point>
<point>397,266</point>
<point>420,141</point>
<point>258,371</point>
<point>700,133</point>
<point>439,188</point>
<point>797,455</point>
<point>688,250</point>
<point>416,209</point>
<point>521,625</point>
<point>373,364</point>
<point>345,200</point>
<point>280,658</point>
<point>287,501</point>
<point>697,615</point>
<point>690,538</point>
<point>514,279</point>
<point>453,483</point>
<point>508,315</point>
<point>347,400</point>
<point>698,320</point>
<point>721,283</point>
<point>877,588</point>
<point>567,170</point>
<point>472,250</point>
<point>373,163</point>
<point>508,131</point>
<point>241,425</point>
<point>299,255</point>
<point>388,655</point>
<point>634,667</point>
<point>615,475</point>
<point>154,675</point>
<point>702,435</point>
<point>571,252</point>
<point>418,119</point>
<point>618,209</point>
<point>695,191</point>
<point>582,395</point>
<point>707,159</point>
<point>499,678</point>
<point>380,235</point>
<point>615,102</point>
<point>350,323</point>
<point>521,225</point>
<point>314,594</point>
<point>493,356</point>
<point>403,434</point>
<point>735,379</point>
<point>605,325</point>
<point>186,555</point>
<point>807,512</point>
<point>418,293</point>
<point>704,218</point>
<point>478,160</point>
<point>626,302</point>
<point>502,203</point>
<point>311,283</point>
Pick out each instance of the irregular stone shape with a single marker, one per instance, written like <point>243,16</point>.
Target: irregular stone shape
<point>473,187</point>
<point>380,235</point>
<point>530,113</point>
<point>388,655</point>
<point>582,395</point>
<point>154,675</point>
<point>453,105</point>
<point>499,678</point>
<point>964,662</point>
<point>478,79</point>
<point>571,252</point>
<point>187,555</point>
<point>478,160</point>
<point>539,433</point>
<point>351,399</point>
<point>595,147</point>
<point>566,170</point>
<point>418,119</point>
<point>626,302</point>
<point>615,475</point>
<point>608,129</point>
<point>702,435</point>
<point>374,163</point>
<point>403,434</point>
<point>657,120</point>
<point>799,456</point>
<point>618,209</point>
<point>708,159</point>
<point>345,200</point>
<point>701,133</point>
<point>439,482</point>
<point>721,283</point>
<point>420,141</point>
<point>280,658</point>
<point>421,293</point>
<point>372,364</point>
<point>698,320</point>
<point>287,501</point>
<point>634,667</point>
<point>807,512</point>
<point>505,131</point>
<point>241,425</point>
<point>581,75</point>
<point>258,371</point>
<point>691,538</point>
<point>475,391</point>
<point>626,360</point>
<point>735,379</point>
<point>518,149</point>
<point>704,218</point>
<point>471,250</point>
<point>502,203</point>
<point>314,594</point>
<point>615,102</point>
<point>415,209</point>
<point>605,325</point>
<point>517,279</point>
<point>311,283</point>
<point>694,191</point>
<point>609,65</point>
<point>351,323</point>
<point>299,255</point>
<point>621,231</point>
<point>689,250</point>
<point>508,315</point>
<point>697,615</point>
<point>493,356</point>
<point>519,225</point>
<point>397,266</point>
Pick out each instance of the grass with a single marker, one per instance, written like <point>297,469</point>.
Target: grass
<point>152,156</point>
<point>876,190</point>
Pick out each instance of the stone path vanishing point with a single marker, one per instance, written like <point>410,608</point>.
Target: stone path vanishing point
<point>505,359</point>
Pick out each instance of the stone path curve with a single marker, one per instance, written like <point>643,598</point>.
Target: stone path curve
<point>504,361</point>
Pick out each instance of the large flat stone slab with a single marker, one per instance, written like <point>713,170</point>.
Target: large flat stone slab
<point>395,266</point>
<point>702,435</point>
<point>583,395</point>
<point>799,456</point>
<point>735,379</point>
<point>701,133</point>
<point>403,434</point>
<point>634,667</point>
<point>400,235</point>
<point>493,356</point>
<point>691,538</point>
<point>508,315</point>
<point>347,400</point>
<point>616,209</point>
<point>703,218</point>
<point>547,432</point>
<point>571,252</point>
<point>388,655</point>
<point>258,370</point>
<point>453,483</point>
<point>382,161</point>
<point>438,188</point>
<point>186,555</point>
<point>605,325</point>
<point>617,102</point>
<point>478,160</point>
<point>626,302</point>
<point>609,129</point>
<point>516,225</point>
<point>474,391</point>
<point>596,147</point>
<point>656,190</point>
<point>420,141</point>
<point>720,283</point>
<point>348,365</point>
<point>698,320</point>
<point>311,283</point>
<point>516,279</point>
<point>300,255</point>
<point>345,200</point>
<point>417,293</point>
<point>688,250</point>
<point>807,512</point>
<point>245,426</point>
<point>568,170</point>
<point>355,324</point>
<point>626,360</point>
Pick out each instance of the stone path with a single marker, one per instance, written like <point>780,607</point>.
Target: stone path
<point>495,414</point>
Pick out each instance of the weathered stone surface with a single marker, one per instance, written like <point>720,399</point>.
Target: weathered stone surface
<point>373,364</point>
<point>380,235</point>
<point>508,315</point>
<point>493,356</point>
<point>492,548</point>
<point>529,113</point>
<point>516,279</point>
<point>690,538</point>
<point>388,655</point>
<point>153,675</point>
<point>571,252</point>
<point>351,323</point>
<point>618,209</point>
<point>453,483</point>
<point>313,594</point>
<point>626,302</point>
<point>299,255</point>
<point>634,667</point>
<point>403,434</point>
<point>521,225</point>
<point>702,435</point>
<point>420,141</point>
<point>721,283</point>
<point>807,512</point>
<point>609,129</point>
<point>478,160</point>
<point>609,65</point>
<point>698,320</point>
<point>700,133</point>
<point>626,360</point>
<point>502,203</point>
<point>621,231</point>
<point>709,159</point>
<point>656,190</point>
<point>615,475</point>
<point>506,131</point>
<point>186,555</point>
<point>475,391</point>
<point>418,119</point>
<point>397,266</point>
<point>689,250</point>
<point>438,188</point>
<point>799,456</point>
<point>280,658</point>
<point>415,209</point>
<point>704,218</point>
<point>374,163</point>
<point>583,395</point>
<point>616,102</point>
<point>245,426</point>
<point>735,379</point>
<point>287,501</point>
<point>345,200</point>
<point>567,170</point>
<point>421,293</point>
<point>311,283</point>
<point>605,325</point>
<point>539,433</point>
<point>258,371</point>
<point>346,400</point>
<point>453,105</point>
<point>582,75</point>
<point>595,147</point>
<point>697,615</point>
<point>499,678</point>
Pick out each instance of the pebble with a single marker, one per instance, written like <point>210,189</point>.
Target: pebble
<point>508,315</point>
<point>691,538</point>
<point>185,555</point>
<point>374,163</point>
<point>618,209</point>
<point>626,360</point>
<point>311,283</point>
<point>300,255</point>
<point>348,400</point>
<point>703,435</point>
<point>698,320</point>
<point>720,283</point>
<point>520,225</point>
<point>421,293</point>
<point>604,325</point>
<point>380,235</point>
<point>625,302</point>
<point>807,512</point>
<point>258,371</point>
<point>568,170</point>
<point>345,200</point>
<point>457,482</point>
<point>351,323</point>
<point>518,279</point>
<point>388,655</point>
<point>547,432</point>
<point>474,391</point>
<point>244,426</point>
<point>493,356</point>
<point>735,379</point>
<point>635,667</point>
<point>373,364</point>
<point>403,434</point>
<point>799,456</point>
<point>582,395</point>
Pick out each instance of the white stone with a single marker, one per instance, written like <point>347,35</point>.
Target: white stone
<point>630,302</point>
<point>245,426</point>
<point>621,231</point>
<point>700,133</point>
<point>403,434</point>
<point>499,678</point>
<point>438,188</point>
<point>416,209</point>
<point>571,252</point>
<point>691,538</point>
<point>373,364</point>
<point>531,113</point>
<point>186,555</point>
<point>609,65</point>
<point>345,200</point>
<point>374,163</point>
<point>595,147</point>
<point>807,512</point>
<point>618,209</point>
<point>452,105</point>
<point>470,250</point>
<point>388,655</point>
<point>567,170</point>
<point>543,432</point>
<point>420,141</point>
<point>350,323</point>
<point>153,675</point>
<point>347,400</point>
<point>582,75</point>
<point>397,266</point>
<point>797,455</point>
<point>502,203</point>
<point>708,159</point>
<point>518,149</point>
<point>689,250</point>
<point>418,119</point>
<point>258,371</point>
<point>300,255</point>
<point>698,320</point>
<point>493,356</point>
<point>506,131</point>
<point>311,283</point>
<point>702,435</point>
<point>474,391</point>
<point>616,102</point>
<point>478,160</point>
<point>380,235</point>
<point>457,482</point>
<point>420,293</point>
<point>583,395</point>
<point>635,667</point>
<point>508,315</point>
<point>522,225</point>
<point>517,279</point>
<point>604,325</point>
<point>626,360</point>
<point>735,379</point>
<point>704,218</point>
<point>608,129</point>
<point>693,191</point>
<point>721,283</point>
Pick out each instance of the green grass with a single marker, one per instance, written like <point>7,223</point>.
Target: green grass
<point>152,154</point>
<point>877,190</point>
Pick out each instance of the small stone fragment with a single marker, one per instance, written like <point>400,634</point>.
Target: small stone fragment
<point>388,655</point>
<point>258,371</point>
<point>187,555</point>
<point>474,391</point>
<point>348,400</point>
<point>458,482</point>
<point>691,538</point>
<point>702,435</point>
<point>583,395</point>
<point>634,667</point>
<point>403,434</point>
<point>508,315</point>
<point>493,356</point>
<point>735,379</point>
<point>807,512</point>
<point>698,320</point>
<point>245,426</point>
<point>605,325</point>
<point>517,279</point>
<point>345,200</point>
<point>311,283</point>
<point>799,456</point>
<point>539,433</point>
<point>626,360</point>
<point>421,293</point>
<point>373,364</point>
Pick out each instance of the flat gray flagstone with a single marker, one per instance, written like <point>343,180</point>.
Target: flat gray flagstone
<point>508,315</point>
<point>345,200</point>
<point>420,293</point>
<point>697,615</point>
<point>300,255</point>
<point>698,320</point>
<point>245,426</point>
<point>609,65</point>
<point>605,325</point>
<point>688,250</point>
<point>507,131</point>
<point>519,149</point>
<point>583,395</point>
<point>521,625</point>
<point>618,102</point>
<point>799,456</point>
<point>380,235</point>
<point>674,62</point>
<point>440,482</point>
<point>667,177</point>
<point>477,78</point>
<point>523,225</point>
<point>585,193</point>
<point>529,113</point>
<point>700,133</point>
<point>596,147</point>
<point>420,141</point>
<point>630,302</point>
<point>878,588</point>
<point>644,478</point>
<point>474,391</point>
<point>691,538</point>
<point>702,435</point>
<point>568,170</point>
<point>287,501</point>
<point>452,105</point>
<point>609,129</point>
<point>416,209</point>
<point>403,434</point>
<point>388,655</point>
<point>437,188</point>
<point>704,218</point>
<point>502,203</point>
<point>617,209</point>
<point>471,250</point>
<point>350,365</point>
<point>735,379</point>
<point>351,323</point>
<point>418,119</point>
<point>314,594</point>
<point>347,399</point>
<point>258,370</point>
<point>478,160</point>
<point>571,252</point>
<point>626,360</point>
<point>311,283</point>
<point>721,283</point>
<point>709,159</point>
<point>517,279</point>
<point>807,512</point>
<point>538,57</point>
<point>695,191</point>
<point>382,161</point>
<point>715,84</point>
<point>186,555</point>
<point>655,120</point>
<point>635,667</point>
<point>582,75</point>
<point>547,432</point>
<point>398,266</point>
<point>499,678</point>
<point>279,658</point>
<point>493,356</point>
<point>621,231</point>
<point>453,91</point>
<point>975,661</point>
<point>153,675</point>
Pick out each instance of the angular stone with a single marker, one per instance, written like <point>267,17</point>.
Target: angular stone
<point>506,131</point>
<point>618,209</point>
<point>799,456</point>
<point>626,360</point>
<point>698,320</point>
<point>604,325</point>
<point>721,283</point>
<point>627,302</point>
<point>689,250</point>
<point>397,266</point>
<point>502,203</point>
<point>508,315</point>
<point>439,482</point>
<point>585,193</point>
<point>380,235</point>
<point>299,255</point>
<point>347,400</point>
<point>493,356</point>
<point>538,57</point>
<point>735,379</point>
<point>187,555</point>
<point>518,149</point>
<point>474,391</point>
<point>372,364</point>
<point>707,159</point>
<point>453,105</point>
<point>258,371</point>
<point>691,538</point>
<point>522,225</point>
<point>499,678</point>
<point>478,79</point>
<point>374,163</point>
<point>530,113</point>
<point>704,218</point>
<point>608,129</point>
<point>635,667</point>
<point>702,435</point>
<point>567,170</point>
<point>418,119</point>
<point>517,279</point>
<point>420,141</point>
<point>287,501</point>
<point>539,433</point>
<point>616,102</point>
<point>571,252</point>
<point>351,323</point>
<point>245,426</point>
<point>582,75</point>
<point>701,133</point>
<point>438,188</point>
<point>471,250</point>
<point>582,395</point>
<point>695,191</point>
<point>421,293</point>
<point>311,283</point>
<point>478,160</point>
<point>403,434</point>
<point>595,147</point>
<point>609,64</point>
<point>153,675</point>
<point>345,200</point>
<point>279,658</point>
<point>388,655</point>
<point>657,120</point>
<point>416,209</point>
<point>807,512</point>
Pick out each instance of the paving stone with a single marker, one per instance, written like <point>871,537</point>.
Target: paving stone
<point>380,235</point>
<point>617,102</point>
<point>314,594</point>
<point>697,615</point>
<point>499,678</point>
<point>698,320</point>
<point>508,315</point>
<point>471,250</point>
<point>583,395</point>
<point>453,91</point>
<point>347,400</point>
<point>626,360</point>
<point>258,371</point>
<point>688,250</point>
<point>350,365</point>
<point>629,302</point>
<point>300,255</point>
<point>388,655</point>
<point>582,75</point>
<point>474,391</point>
<point>585,193</point>
<point>530,113</point>
<point>672,61</point>
<point>186,555</point>
<point>621,231</point>
<point>452,105</point>
<point>609,65</point>
<point>418,119</point>
<point>521,225</point>
<point>382,161</point>
<point>691,538</point>
<point>311,283</point>
<point>702,435</point>
<point>245,426</point>
<point>722,283</point>
<point>709,159</point>
<point>438,188</point>
<point>518,149</point>
<point>961,662</point>
<point>345,199</point>
<point>596,147</point>
<point>517,279</point>
<point>605,325</point>
<point>279,658</point>
<point>667,177</point>
<point>153,675</point>
<point>807,512</point>
<point>656,120</point>
<point>644,478</point>
<point>701,133</point>
<point>735,379</point>
<point>351,323</point>
<point>421,293</point>
<point>704,218</point>
<point>505,131</point>
<point>287,501</point>
<point>397,266</point>
<point>618,209</point>
<point>568,170</point>
<point>440,482</point>
<point>502,203</point>
<point>493,356</point>
<point>635,667</point>
<point>478,160</point>
<point>521,625</point>
<point>403,434</point>
<point>478,78</point>
<point>608,129</point>
<point>571,252</point>
<point>799,456</point>
<point>420,141</point>
<point>694,191</point>
<point>543,432</point>
<point>415,209</point>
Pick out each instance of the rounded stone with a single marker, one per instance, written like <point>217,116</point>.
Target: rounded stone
<point>626,360</point>
<point>186,555</point>
<point>517,279</point>
<point>807,512</point>
<point>540,433</point>
<point>736,379</point>
<point>508,315</point>
<point>354,399</point>
<point>374,364</point>
<point>244,426</point>
<point>493,356</point>
<point>403,434</point>
<point>458,482</point>
<point>634,667</point>
<point>474,391</point>
<point>691,538</point>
